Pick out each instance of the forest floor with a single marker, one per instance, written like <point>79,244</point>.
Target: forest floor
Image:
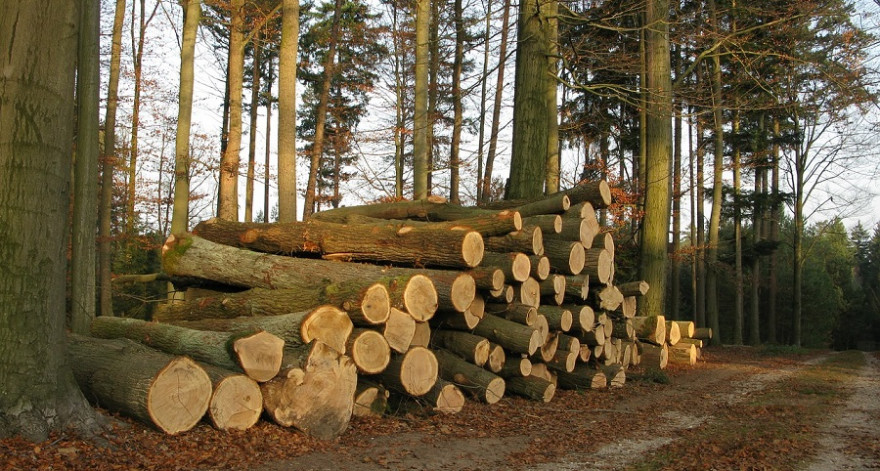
<point>738,408</point>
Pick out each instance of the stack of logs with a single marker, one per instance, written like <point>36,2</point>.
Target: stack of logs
<point>414,301</point>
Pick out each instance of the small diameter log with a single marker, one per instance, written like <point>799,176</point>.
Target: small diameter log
<point>422,335</point>
<point>504,295</point>
<point>653,357</point>
<point>366,304</point>
<point>577,287</point>
<point>399,331</point>
<point>563,361</point>
<point>582,210</point>
<point>368,350</point>
<point>471,347</point>
<point>317,397</point>
<point>445,397</point>
<point>510,335</point>
<point>689,341</point>
<point>615,375</point>
<point>609,353</point>
<point>683,354</point>
<point>553,289</point>
<point>598,265</point>
<point>515,265</point>
<point>685,328</point>
<point>487,277</point>
<point>549,223</point>
<point>548,350</point>
<point>516,312</point>
<point>236,402</point>
<point>543,328</point>
<point>629,307</point>
<point>497,358</point>
<point>608,298</point>
<point>569,343</point>
<point>455,290</point>
<point>634,288</point>
<point>623,329</point>
<point>558,317</point>
<point>370,399</point>
<point>607,325</point>
<point>168,392</point>
<point>565,257</point>
<point>486,386</point>
<point>464,321</point>
<point>407,244</point>
<point>256,353</point>
<point>585,354</point>
<point>531,387</point>
<point>529,240</point>
<point>574,230</point>
<point>528,292</point>
<point>552,204</point>
<point>514,365</point>
<point>329,324</point>
<point>703,333</point>
<point>540,370</point>
<point>650,328</point>
<point>581,378</point>
<point>673,334</point>
<point>596,193</point>
<point>593,337</point>
<point>603,240</point>
<point>413,372</point>
<point>583,318</point>
<point>540,267</point>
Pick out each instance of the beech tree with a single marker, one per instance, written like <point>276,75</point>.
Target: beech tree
<point>287,111</point>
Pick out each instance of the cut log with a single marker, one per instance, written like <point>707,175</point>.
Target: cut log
<point>486,386</point>
<point>236,402</point>
<point>583,318</point>
<point>504,295</point>
<point>691,341</point>
<point>563,361</point>
<point>543,327</point>
<point>515,265</point>
<point>463,321</point>
<point>596,193</point>
<point>531,387</point>
<point>558,317</point>
<point>501,223</point>
<point>650,328</point>
<point>370,399</point>
<point>317,398</point>
<point>445,397</point>
<point>615,375</point>
<point>540,267</point>
<point>703,333</point>
<point>256,353</point>
<point>582,210</point>
<point>413,372</point>
<point>653,357</point>
<point>428,209</point>
<point>409,244</point>
<point>540,370</point>
<point>488,278</point>
<point>329,324</point>
<point>581,378</point>
<point>605,321</point>
<point>548,350</point>
<point>623,329</point>
<point>514,365</point>
<point>516,312</point>
<point>553,289</point>
<point>170,393</point>
<point>673,334</point>
<point>684,354</point>
<point>598,264</point>
<point>634,288</point>
<point>528,292</point>
<point>549,223</point>
<point>594,337</point>
<point>603,240</point>
<point>469,346</point>
<point>585,354</point>
<point>577,287</point>
<point>529,240</point>
<point>497,358</point>
<point>367,304</point>
<point>510,335</point>
<point>608,298</point>
<point>552,204</point>
<point>565,257</point>
<point>629,307</point>
<point>635,357</point>
<point>569,343</point>
<point>399,331</point>
<point>368,350</point>
<point>574,230</point>
<point>685,328</point>
<point>422,336</point>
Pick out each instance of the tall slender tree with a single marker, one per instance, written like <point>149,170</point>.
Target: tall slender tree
<point>420,119</point>
<point>287,111</point>
<point>227,200</point>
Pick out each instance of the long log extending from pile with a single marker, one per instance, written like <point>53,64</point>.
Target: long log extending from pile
<point>510,335</point>
<point>168,392</point>
<point>253,351</point>
<point>408,244</point>
<point>427,210</point>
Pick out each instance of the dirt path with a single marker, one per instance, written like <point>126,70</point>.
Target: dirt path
<point>848,436</point>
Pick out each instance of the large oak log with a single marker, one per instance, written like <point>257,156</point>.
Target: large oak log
<point>469,346</point>
<point>500,223</point>
<point>236,401</point>
<point>171,393</point>
<point>531,387</point>
<point>329,324</point>
<point>510,335</point>
<point>409,244</point>
<point>191,257</point>
<point>317,397</point>
<point>483,384</point>
<point>253,351</point>
<point>552,204</point>
<point>413,372</point>
<point>368,350</point>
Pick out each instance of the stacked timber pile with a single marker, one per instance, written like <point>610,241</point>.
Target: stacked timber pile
<point>418,301</point>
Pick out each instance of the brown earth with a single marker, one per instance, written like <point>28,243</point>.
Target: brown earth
<point>738,408</point>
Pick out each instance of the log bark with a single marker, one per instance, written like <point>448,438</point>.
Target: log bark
<point>683,354</point>
<point>574,230</point>
<point>488,277</point>
<point>581,378</point>
<point>252,351</point>
<point>563,361</point>
<point>553,289</point>
<point>597,193</point>
<point>427,210</point>
<point>515,265</point>
<point>569,343</point>
<point>582,210</point>
<point>445,397</point>
<point>650,328</point>
<point>514,365</point>
<point>413,373</point>
<point>594,337</point>
<point>504,295</point>
<point>577,287</point>
<point>469,346</point>
<point>486,386</point>
<point>529,240</point>
<point>687,329</point>
<point>653,357</point>
<point>540,267</point>
<point>531,387</point>
<point>558,317</point>
<point>170,393</point>
<point>528,292</point>
<point>565,257</point>
<point>549,223</point>
<point>317,397</point>
<point>598,265</point>
<point>399,331</point>
<point>623,329</point>
<point>634,288</point>
<point>703,333</point>
<point>510,335</point>
<point>407,244</point>
<point>329,324</point>
<point>603,240</point>
<point>583,318</point>
<point>500,223</point>
<point>552,204</point>
<point>236,401</point>
<point>368,350</point>
<point>516,312</point>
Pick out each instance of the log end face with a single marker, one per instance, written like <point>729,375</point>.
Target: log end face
<point>376,304</point>
<point>517,221</point>
<point>450,400</point>
<point>420,298</point>
<point>577,258</point>
<point>463,292</point>
<point>179,396</point>
<point>604,193</point>
<point>481,352</point>
<point>418,371</point>
<point>566,320</point>
<point>260,355</point>
<point>521,267</point>
<point>330,325</point>
<point>236,403</point>
<point>370,352</point>
<point>497,279</point>
<point>495,390</point>
<point>537,241</point>
<point>472,249</point>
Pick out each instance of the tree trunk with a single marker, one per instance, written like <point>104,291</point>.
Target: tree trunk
<point>551,173</point>
<point>252,134</point>
<point>227,199</point>
<point>180,214</point>
<point>36,125</point>
<point>712,308</point>
<point>287,54</point>
<point>421,120</point>
<point>454,159</point>
<point>486,183</point>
